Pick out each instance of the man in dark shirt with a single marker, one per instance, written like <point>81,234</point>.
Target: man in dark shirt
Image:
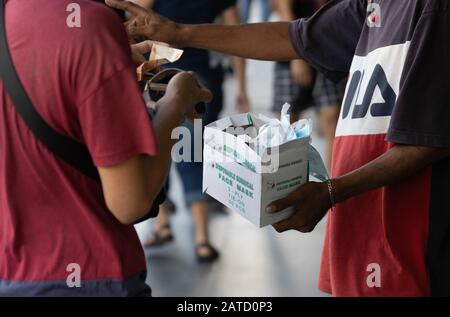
<point>388,228</point>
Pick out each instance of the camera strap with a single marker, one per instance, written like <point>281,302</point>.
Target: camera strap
<point>70,151</point>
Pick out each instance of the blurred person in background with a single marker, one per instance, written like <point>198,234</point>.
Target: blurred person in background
<point>245,9</point>
<point>299,84</point>
<point>212,76</point>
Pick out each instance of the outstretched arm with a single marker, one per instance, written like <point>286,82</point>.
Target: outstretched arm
<point>265,41</point>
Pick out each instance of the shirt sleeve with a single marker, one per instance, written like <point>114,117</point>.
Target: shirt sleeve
<point>422,112</point>
<point>112,115</point>
<point>115,123</point>
<point>329,38</point>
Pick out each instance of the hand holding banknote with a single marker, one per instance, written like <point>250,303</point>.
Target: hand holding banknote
<point>139,50</point>
<point>160,54</point>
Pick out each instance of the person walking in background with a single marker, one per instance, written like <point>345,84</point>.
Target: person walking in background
<point>212,76</point>
<point>245,8</point>
<point>299,84</point>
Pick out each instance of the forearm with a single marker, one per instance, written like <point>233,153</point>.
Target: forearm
<point>395,165</point>
<point>168,118</point>
<point>263,41</point>
<point>131,188</point>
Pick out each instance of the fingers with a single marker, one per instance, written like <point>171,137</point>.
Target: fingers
<point>293,223</point>
<point>139,50</point>
<point>130,7</point>
<point>138,59</point>
<point>205,95</point>
<point>143,47</point>
<point>149,66</point>
<point>282,204</point>
<point>282,226</point>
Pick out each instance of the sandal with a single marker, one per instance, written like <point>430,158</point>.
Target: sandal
<point>213,253</point>
<point>158,238</point>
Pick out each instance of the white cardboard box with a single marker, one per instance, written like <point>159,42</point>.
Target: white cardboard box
<point>245,182</point>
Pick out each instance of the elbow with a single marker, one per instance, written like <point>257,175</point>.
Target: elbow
<point>129,212</point>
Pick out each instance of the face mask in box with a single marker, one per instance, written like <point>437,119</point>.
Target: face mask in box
<point>251,160</point>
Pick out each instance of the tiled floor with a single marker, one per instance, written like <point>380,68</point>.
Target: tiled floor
<point>254,262</point>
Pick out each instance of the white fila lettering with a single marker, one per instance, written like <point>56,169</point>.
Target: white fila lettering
<point>372,91</point>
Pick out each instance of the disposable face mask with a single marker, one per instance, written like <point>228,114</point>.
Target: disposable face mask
<point>302,128</point>
<point>276,132</point>
<point>317,168</point>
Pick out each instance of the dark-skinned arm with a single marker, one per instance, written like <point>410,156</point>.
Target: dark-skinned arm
<point>264,41</point>
<point>312,200</point>
<point>255,41</point>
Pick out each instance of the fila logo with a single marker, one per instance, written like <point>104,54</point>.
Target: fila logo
<point>378,80</point>
<point>372,91</point>
<point>374,15</point>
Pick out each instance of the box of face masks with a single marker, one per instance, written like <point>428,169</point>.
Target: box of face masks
<point>251,161</point>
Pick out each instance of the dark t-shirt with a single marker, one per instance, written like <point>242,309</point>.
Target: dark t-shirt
<point>83,83</point>
<point>306,8</point>
<point>396,52</point>
<point>193,12</point>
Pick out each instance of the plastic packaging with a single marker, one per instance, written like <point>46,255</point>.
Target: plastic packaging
<point>276,132</point>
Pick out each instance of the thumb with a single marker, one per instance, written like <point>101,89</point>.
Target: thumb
<point>143,47</point>
<point>205,95</point>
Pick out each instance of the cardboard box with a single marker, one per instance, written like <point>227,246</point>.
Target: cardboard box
<point>235,175</point>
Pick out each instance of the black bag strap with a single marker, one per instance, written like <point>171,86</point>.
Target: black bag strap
<point>70,151</point>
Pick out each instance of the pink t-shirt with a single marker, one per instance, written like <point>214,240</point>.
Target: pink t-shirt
<point>82,82</point>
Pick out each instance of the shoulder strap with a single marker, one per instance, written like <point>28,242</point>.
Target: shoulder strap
<point>70,151</point>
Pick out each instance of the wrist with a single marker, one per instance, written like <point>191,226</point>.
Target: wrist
<point>343,189</point>
<point>181,34</point>
<point>331,197</point>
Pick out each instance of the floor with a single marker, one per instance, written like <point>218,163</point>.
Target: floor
<point>254,262</point>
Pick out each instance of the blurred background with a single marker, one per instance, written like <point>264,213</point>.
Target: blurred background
<point>253,262</point>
